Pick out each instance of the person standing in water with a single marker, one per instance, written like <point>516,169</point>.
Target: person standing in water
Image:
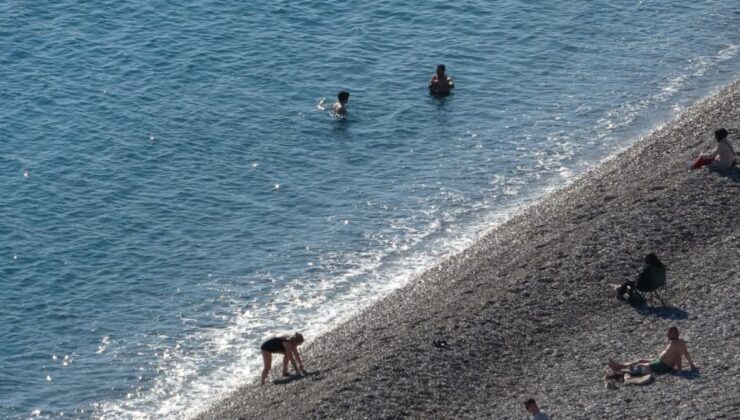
<point>288,347</point>
<point>441,83</point>
<point>340,107</point>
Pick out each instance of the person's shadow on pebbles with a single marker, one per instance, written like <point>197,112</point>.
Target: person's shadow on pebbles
<point>664,312</point>
<point>732,173</point>
<point>688,374</point>
<point>315,375</point>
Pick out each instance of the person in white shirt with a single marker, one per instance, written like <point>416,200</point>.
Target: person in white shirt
<point>721,158</point>
<point>537,414</point>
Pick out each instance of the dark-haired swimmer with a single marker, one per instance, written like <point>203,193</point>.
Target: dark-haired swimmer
<point>340,107</point>
<point>441,83</point>
<point>288,347</point>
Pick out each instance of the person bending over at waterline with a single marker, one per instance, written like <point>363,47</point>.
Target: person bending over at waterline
<point>723,156</point>
<point>668,360</point>
<point>288,347</point>
<point>441,83</point>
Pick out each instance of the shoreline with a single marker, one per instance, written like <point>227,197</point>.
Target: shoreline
<point>528,309</point>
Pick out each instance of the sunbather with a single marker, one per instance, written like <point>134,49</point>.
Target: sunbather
<point>668,360</point>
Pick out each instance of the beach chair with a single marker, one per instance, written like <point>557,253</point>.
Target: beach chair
<point>650,281</point>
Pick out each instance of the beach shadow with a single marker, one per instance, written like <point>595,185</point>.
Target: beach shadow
<point>690,374</point>
<point>315,375</point>
<point>665,312</point>
<point>731,173</point>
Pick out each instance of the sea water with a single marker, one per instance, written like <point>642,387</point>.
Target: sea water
<point>175,190</point>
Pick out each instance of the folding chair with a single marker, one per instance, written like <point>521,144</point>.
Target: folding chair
<point>650,281</point>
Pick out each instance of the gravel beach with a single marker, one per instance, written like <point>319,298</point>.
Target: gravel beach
<point>529,310</point>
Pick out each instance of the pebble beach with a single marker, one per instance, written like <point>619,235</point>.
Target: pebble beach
<point>530,310</point>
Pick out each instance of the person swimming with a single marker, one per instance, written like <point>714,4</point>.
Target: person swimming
<point>288,347</point>
<point>340,107</point>
<point>441,83</point>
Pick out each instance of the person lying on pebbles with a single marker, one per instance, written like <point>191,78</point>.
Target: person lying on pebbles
<point>288,347</point>
<point>668,360</point>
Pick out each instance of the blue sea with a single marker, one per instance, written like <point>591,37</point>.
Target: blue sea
<point>175,189</point>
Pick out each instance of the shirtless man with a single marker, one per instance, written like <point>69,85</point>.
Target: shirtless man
<point>668,360</point>
<point>441,83</point>
<point>340,107</point>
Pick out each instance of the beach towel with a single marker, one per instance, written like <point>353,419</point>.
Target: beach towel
<point>701,161</point>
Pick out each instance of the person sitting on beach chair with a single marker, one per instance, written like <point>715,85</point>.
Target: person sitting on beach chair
<point>288,347</point>
<point>668,360</point>
<point>723,157</point>
<point>650,280</point>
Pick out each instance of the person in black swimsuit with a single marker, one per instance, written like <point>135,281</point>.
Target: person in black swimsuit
<point>288,347</point>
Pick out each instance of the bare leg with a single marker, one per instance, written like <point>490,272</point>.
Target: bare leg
<point>267,358</point>
<point>619,366</point>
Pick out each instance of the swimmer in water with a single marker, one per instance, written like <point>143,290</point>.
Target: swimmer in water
<point>340,107</point>
<point>441,83</point>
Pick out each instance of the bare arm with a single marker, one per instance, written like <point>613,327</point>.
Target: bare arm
<point>289,351</point>
<point>297,356</point>
<point>433,82</point>
<point>711,155</point>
